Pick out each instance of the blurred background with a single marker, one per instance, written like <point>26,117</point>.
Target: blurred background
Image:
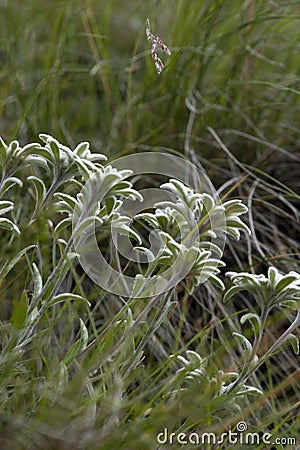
<point>82,70</point>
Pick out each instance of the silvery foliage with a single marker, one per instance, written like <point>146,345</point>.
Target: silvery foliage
<point>31,175</point>
<point>41,185</point>
<point>56,174</point>
<point>274,291</point>
<point>269,292</point>
<point>171,220</point>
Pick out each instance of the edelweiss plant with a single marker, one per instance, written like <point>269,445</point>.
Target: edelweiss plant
<point>274,291</point>
<point>50,195</point>
<point>172,219</point>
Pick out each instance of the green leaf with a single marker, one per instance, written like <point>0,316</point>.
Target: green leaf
<point>245,342</point>
<point>55,151</point>
<point>195,358</point>
<point>62,379</point>
<point>3,152</point>
<point>294,341</point>
<point>236,223</point>
<point>231,292</point>
<point>109,205</point>
<point>12,148</point>
<point>66,198</point>
<point>180,190</point>
<point>20,311</point>
<point>217,282</point>
<point>124,189</point>
<point>45,137</point>
<point>208,202</point>
<point>235,207</point>
<point>83,168</point>
<point>9,183</point>
<point>273,276</point>
<point>289,304</point>
<point>82,149</point>
<point>254,320</point>
<point>37,281</point>
<point>5,206</point>
<point>139,284</point>
<point>7,224</point>
<point>67,297</point>
<point>286,280</point>
<point>78,346</point>
<point>51,284</point>
<point>72,353</point>
<point>119,225</point>
<point>149,218</point>
<point>32,316</point>
<point>84,335</point>
<point>29,149</point>
<point>86,225</point>
<point>249,390</point>
<point>40,188</point>
<point>234,232</point>
<point>44,153</point>
<point>144,254</point>
<point>38,161</point>
<point>97,157</point>
<point>63,224</point>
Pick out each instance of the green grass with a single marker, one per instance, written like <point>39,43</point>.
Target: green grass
<point>229,101</point>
